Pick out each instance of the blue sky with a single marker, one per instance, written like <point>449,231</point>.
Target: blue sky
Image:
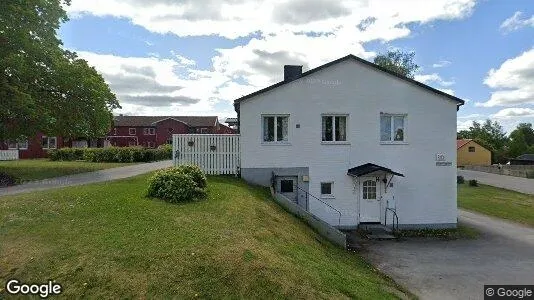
<point>194,57</point>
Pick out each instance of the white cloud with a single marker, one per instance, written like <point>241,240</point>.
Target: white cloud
<point>514,112</point>
<point>433,78</point>
<point>235,18</point>
<point>516,22</point>
<point>512,82</point>
<point>447,91</point>
<point>310,33</point>
<point>150,85</point>
<point>441,64</point>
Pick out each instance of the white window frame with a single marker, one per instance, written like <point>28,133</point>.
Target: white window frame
<point>275,142</point>
<point>334,142</point>
<point>150,144</point>
<point>392,129</point>
<point>12,145</point>
<point>130,131</point>
<point>329,196</point>
<point>149,131</point>
<point>50,146</point>
<point>23,145</point>
<point>115,131</point>
<point>48,141</point>
<point>132,143</point>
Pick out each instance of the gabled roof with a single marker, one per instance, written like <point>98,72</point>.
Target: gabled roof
<point>140,121</point>
<point>370,168</point>
<point>461,143</point>
<point>360,60</point>
<point>525,157</point>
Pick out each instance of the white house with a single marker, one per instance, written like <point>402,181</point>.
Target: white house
<point>353,143</point>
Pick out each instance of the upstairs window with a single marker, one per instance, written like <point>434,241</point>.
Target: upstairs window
<point>471,149</point>
<point>334,128</point>
<point>275,128</point>
<point>392,128</point>
<point>131,131</point>
<point>149,131</point>
<point>114,131</point>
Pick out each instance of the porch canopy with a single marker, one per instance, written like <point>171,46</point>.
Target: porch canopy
<point>370,168</point>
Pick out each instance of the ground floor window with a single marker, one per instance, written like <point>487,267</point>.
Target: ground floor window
<point>49,142</point>
<point>327,189</point>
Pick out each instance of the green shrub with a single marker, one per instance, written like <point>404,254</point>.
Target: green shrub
<point>473,182</point>
<point>67,154</point>
<point>174,185</point>
<point>460,180</point>
<point>195,172</point>
<point>112,154</point>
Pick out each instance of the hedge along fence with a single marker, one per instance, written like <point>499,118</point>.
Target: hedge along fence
<point>112,154</point>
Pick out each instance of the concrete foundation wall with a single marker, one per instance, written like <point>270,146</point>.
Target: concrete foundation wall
<point>510,170</point>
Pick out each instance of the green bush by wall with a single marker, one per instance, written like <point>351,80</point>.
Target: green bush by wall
<point>112,154</point>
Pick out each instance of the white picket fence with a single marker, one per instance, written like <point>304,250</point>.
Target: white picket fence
<point>9,154</point>
<point>215,154</point>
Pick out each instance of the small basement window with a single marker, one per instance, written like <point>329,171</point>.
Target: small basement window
<point>326,189</point>
<point>471,149</point>
<point>286,186</point>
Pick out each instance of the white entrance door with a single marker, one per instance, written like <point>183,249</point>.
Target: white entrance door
<point>369,200</point>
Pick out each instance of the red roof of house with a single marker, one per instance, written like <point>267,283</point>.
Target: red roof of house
<point>461,143</point>
<point>139,121</point>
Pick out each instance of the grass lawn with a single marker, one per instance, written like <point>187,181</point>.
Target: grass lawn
<point>35,169</point>
<point>107,240</point>
<point>497,202</point>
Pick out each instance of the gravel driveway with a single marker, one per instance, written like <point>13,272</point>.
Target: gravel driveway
<point>458,269</point>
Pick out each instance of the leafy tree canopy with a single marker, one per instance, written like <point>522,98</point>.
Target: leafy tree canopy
<point>399,62</point>
<point>522,140</point>
<point>42,86</point>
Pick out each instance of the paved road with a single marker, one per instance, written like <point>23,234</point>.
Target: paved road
<point>85,178</point>
<point>519,184</point>
<point>503,254</point>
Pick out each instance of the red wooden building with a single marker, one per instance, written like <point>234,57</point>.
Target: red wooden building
<point>145,131</point>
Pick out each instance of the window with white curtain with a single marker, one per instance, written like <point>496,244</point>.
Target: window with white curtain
<point>334,128</point>
<point>392,128</point>
<point>275,128</point>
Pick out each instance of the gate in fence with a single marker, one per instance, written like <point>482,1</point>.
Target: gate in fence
<point>215,154</point>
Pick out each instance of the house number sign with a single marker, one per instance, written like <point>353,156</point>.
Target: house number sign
<point>441,160</point>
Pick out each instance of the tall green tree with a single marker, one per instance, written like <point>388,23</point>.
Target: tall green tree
<point>397,61</point>
<point>522,140</point>
<point>42,86</point>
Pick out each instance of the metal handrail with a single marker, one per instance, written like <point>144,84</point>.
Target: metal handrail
<point>308,194</point>
<point>396,218</point>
